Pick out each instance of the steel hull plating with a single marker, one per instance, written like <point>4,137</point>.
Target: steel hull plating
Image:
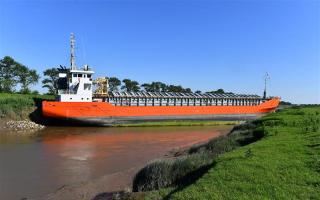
<point>105,114</point>
<point>109,121</point>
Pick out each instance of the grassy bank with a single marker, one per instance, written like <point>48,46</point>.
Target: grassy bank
<point>179,123</point>
<point>276,157</point>
<point>19,106</point>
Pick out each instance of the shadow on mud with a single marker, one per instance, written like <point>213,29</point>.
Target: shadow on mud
<point>37,117</point>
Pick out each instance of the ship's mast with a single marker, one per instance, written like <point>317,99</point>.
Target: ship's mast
<point>72,55</point>
<point>266,78</point>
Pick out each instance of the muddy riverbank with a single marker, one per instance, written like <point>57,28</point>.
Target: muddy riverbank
<point>19,126</point>
<point>70,163</point>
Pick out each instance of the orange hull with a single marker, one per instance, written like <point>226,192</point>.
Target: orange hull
<point>87,110</point>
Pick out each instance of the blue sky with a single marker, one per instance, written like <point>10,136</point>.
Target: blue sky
<point>203,45</point>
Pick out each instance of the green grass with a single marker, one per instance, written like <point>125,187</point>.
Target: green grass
<point>195,161</point>
<point>18,106</point>
<point>179,123</point>
<point>284,164</point>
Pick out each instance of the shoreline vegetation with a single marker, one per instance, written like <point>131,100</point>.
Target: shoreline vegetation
<point>19,113</point>
<point>20,106</point>
<point>276,156</point>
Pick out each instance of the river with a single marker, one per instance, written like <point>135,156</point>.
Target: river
<point>34,165</point>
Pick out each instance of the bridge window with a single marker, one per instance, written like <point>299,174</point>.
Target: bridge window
<point>79,75</point>
<point>87,86</point>
<point>74,75</point>
<point>89,75</point>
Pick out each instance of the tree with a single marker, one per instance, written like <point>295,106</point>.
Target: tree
<point>147,87</point>
<point>154,87</point>
<point>219,91</point>
<point>35,92</point>
<point>198,92</point>
<point>130,86</point>
<point>162,87</point>
<point>50,82</point>
<point>157,86</point>
<point>187,90</point>
<point>285,103</point>
<point>175,88</point>
<point>8,74</point>
<point>26,78</point>
<point>13,72</point>
<point>114,84</point>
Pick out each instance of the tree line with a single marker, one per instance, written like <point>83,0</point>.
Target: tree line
<point>133,86</point>
<point>13,73</point>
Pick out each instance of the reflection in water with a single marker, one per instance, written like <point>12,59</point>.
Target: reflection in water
<point>33,166</point>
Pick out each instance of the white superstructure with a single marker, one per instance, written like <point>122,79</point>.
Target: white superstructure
<point>75,85</point>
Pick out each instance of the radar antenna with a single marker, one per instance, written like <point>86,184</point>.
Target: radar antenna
<point>72,56</point>
<point>266,78</point>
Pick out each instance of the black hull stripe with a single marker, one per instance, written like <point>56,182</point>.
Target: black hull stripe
<point>109,121</point>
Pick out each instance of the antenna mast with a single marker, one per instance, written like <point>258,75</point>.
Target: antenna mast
<point>72,55</point>
<point>266,78</point>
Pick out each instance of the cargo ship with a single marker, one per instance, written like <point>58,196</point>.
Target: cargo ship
<point>78,102</point>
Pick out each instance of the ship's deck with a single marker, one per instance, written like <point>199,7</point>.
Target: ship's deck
<point>143,94</point>
<point>178,99</point>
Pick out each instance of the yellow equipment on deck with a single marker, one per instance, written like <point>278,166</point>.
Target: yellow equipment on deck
<point>101,87</point>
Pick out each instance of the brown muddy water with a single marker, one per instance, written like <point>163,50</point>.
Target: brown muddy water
<point>32,166</point>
